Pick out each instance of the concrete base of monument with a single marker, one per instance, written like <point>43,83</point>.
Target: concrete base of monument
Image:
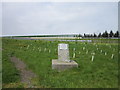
<point>62,65</point>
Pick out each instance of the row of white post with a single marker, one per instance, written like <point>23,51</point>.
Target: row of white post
<point>74,49</point>
<point>101,51</point>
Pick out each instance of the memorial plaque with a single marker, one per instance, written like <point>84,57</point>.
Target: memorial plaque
<point>63,62</point>
<point>63,52</point>
<point>63,46</point>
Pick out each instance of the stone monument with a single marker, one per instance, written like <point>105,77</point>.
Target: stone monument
<point>63,62</point>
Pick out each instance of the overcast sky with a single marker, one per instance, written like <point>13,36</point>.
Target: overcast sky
<point>58,18</point>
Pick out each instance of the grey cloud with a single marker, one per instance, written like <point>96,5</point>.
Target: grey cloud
<point>58,18</point>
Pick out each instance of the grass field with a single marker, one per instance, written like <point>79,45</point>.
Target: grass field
<point>102,72</point>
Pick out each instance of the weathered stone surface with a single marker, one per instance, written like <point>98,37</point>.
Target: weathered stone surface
<point>60,65</point>
<point>63,62</point>
<point>63,52</point>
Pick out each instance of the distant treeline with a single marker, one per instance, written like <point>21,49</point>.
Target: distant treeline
<point>105,34</point>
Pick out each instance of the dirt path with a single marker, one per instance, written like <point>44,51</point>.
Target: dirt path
<point>26,75</point>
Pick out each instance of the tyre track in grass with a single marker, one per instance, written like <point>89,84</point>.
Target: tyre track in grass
<point>26,75</point>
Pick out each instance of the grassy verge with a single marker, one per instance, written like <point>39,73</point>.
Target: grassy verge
<point>10,75</point>
<point>102,72</point>
<point>0,63</point>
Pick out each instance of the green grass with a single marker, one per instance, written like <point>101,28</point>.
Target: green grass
<point>9,72</point>
<point>0,63</point>
<point>101,73</point>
